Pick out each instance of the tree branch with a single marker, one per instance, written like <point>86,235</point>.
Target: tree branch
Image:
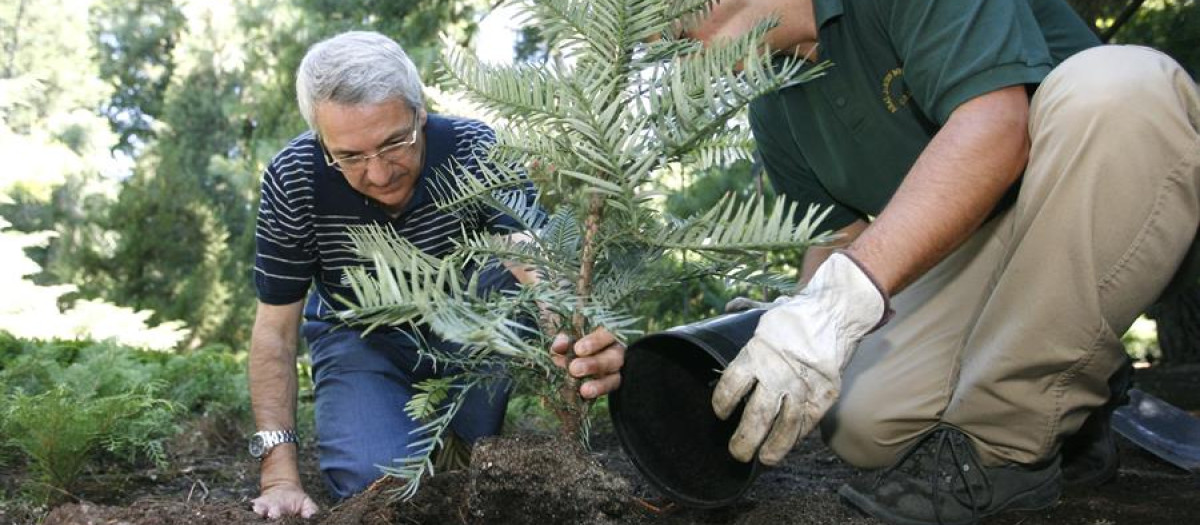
<point>10,62</point>
<point>1121,20</point>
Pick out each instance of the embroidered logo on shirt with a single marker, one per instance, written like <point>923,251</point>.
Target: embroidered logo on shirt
<point>891,98</point>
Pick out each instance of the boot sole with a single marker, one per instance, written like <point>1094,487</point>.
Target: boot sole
<point>1022,501</point>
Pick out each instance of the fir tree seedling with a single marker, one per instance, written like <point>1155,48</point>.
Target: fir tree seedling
<point>622,100</point>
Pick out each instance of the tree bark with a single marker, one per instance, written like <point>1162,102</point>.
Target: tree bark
<point>574,406</point>
<point>1092,10</point>
<point>15,44</point>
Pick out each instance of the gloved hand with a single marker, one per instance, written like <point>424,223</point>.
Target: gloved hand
<point>741,304</point>
<point>795,360</point>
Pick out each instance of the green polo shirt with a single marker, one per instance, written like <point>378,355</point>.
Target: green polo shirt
<point>900,68</point>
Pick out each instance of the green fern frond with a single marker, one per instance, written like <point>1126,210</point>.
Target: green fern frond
<point>621,325</point>
<point>383,244</point>
<point>731,144</point>
<point>494,189</point>
<point>624,282</point>
<point>482,247</point>
<point>403,283</point>
<point>586,30</point>
<point>480,328</point>
<point>563,22</point>
<point>431,393</point>
<point>739,270</point>
<point>521,94</point>
<point>752,227</point>
<point>699,93</point>
<point>415,467</point>
<point>562,239</point>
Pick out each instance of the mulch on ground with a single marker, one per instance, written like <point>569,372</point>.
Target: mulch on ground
<point>526,479</point>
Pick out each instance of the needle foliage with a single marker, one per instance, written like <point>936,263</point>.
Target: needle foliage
<point>622,101</point>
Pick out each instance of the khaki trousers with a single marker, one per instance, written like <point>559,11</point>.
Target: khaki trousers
<point>1013,337</point>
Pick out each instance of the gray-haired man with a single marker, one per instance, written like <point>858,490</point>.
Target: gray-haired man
<point>368,159</point>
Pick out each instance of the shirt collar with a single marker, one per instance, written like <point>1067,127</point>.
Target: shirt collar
<point>826,10</point>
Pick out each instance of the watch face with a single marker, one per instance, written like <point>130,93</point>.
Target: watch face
<point>257,444</point>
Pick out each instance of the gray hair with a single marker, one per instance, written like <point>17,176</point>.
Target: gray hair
<point>356,67</point>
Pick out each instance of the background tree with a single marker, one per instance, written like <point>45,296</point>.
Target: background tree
<point>135,41</point>
<point>55,145</point>
<point>80,79</point>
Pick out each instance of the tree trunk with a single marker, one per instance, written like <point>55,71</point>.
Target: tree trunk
<point>15,44</point>
<point>574,407</point>
<point>1119,10</point>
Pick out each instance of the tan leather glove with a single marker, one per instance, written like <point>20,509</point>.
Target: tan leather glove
<point>795,360</point>
<point>741,304</point>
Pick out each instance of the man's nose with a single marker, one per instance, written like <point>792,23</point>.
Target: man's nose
<point>378,173</point>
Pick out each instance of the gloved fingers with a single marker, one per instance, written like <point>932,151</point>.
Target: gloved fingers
<point>756,422</point>
<point>821,397</point>
<point>790,425</point>
<point>741,304</point>
<point>736,381</point>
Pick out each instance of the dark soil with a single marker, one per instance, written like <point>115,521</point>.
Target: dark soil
<point>525,479</point>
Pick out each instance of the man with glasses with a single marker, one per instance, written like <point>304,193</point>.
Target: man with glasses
<point>369,158</point>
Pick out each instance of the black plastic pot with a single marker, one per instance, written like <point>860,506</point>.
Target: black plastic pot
<point>663,414</point>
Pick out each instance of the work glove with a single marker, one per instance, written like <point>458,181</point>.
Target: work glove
<point>741,304</point>
<point>795,360</point>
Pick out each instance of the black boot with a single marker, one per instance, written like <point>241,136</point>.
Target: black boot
<point>1089,457</point>
<point>941,480</point>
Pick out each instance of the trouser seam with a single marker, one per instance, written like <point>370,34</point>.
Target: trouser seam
<point>990,288</point>
<point>1174,176</point>
<point>1060,387</point>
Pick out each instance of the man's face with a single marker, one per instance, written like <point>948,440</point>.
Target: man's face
<point>379,148</point>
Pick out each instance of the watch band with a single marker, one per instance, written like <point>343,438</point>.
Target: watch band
<point>263,441</point>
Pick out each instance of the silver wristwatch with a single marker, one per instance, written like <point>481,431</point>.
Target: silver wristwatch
<point>263,441</point>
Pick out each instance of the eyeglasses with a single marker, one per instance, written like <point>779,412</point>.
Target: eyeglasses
<point>392,153</point>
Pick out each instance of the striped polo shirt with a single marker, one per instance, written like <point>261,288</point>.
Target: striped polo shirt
<point>307,208</point>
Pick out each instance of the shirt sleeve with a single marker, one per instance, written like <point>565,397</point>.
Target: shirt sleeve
<point>787,169</point>
<point>285,254</point>
<point>956,50</point>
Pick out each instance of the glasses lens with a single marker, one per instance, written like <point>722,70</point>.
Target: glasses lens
<point>353,164</point>
<point>392,154</point>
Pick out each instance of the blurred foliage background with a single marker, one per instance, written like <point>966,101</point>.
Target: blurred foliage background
<point>133,134</point>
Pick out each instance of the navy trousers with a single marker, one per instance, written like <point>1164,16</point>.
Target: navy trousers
<point>362,384</point>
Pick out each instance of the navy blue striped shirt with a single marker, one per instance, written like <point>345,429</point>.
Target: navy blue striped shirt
<point>307,207</point>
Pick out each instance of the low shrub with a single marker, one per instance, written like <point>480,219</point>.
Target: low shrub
<point>60,431</point>
<point>67,405</point>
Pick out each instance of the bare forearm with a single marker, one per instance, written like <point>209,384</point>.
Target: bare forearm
<point>273,385</point>
<point>816,255</point>
<point>950,190</point>
<point>273,389</point>
<point>524,273</point>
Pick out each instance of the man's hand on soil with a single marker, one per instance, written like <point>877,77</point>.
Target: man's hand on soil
<point>282,500</point>
<point>598,355</point>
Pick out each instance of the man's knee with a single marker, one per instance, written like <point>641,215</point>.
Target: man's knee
<point>350,477</point>
<point>863,435</point>
<point>1112,84</point>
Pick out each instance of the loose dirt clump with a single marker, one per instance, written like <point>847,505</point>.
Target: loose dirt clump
<point>151,512</point>
<point>440,500</point>
<point>532,479</point>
